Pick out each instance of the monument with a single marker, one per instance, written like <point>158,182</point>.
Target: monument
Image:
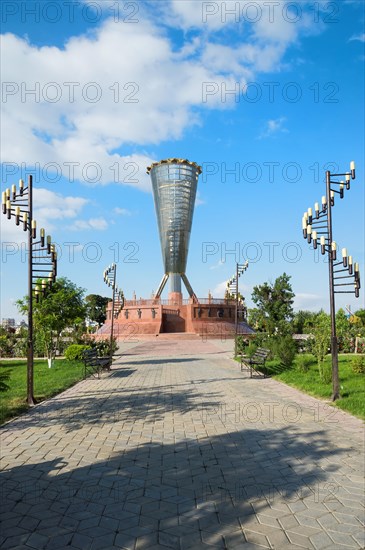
<point>174,185</point>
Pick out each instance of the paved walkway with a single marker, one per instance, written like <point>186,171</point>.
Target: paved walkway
<point>175,448</point>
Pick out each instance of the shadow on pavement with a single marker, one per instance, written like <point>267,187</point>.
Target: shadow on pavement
<point>177,494</point>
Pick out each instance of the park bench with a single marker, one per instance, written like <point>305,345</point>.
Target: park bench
<point>257,360</point>
<point>94,364</point>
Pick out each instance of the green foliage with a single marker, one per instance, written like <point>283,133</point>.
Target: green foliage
<point>325,372</point>
<point>74,352</point>
<point>320,342</point>
<point>358,365</point>
<point>47,382</point>
<point>242,343</point>
<point>360,314</point>
<point>96,308</point>
<point>251,348</point>
<point>285,349</point>
<point>256,319</point>
<point>62,308</point>
<point>103,347</point>
<point>4,377</point>
<point>302,363</point>
<point>12,344</point>
<point>275,304</point>
<point>344,331</point>
<point>352,396</point>
<point>302,321</point>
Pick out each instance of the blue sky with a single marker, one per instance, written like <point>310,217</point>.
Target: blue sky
<point>263,95</point>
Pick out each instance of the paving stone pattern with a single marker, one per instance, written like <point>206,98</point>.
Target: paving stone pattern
<point>176,448</point>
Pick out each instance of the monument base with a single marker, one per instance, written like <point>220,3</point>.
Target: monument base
<point>207,317</point>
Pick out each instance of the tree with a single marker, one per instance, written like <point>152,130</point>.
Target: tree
<point>96,308</point>
<point>275,302</point>
<point>360,313</point>
<point>302,320</point>
<point>256,319</point>
<point>61,308</point>
<point>320,343</point>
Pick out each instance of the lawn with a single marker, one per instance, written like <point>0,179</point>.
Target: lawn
<point>47,382</point>
<point>352,385</point>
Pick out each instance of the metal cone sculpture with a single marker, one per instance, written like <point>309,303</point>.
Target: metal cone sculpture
<point>174,183</point>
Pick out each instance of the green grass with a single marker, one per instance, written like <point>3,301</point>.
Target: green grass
<point>47,382</point>
<point>352,385</point>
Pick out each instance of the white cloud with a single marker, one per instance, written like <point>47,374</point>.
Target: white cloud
<point>198,200</point>
<point>218,265</point>
<point>93,97</point>
<point>122,211</point>
<point>308,301</point>
<point>49,208</point>
<point>274,126</point>
<point>360,37</point>
<point>220,290</point>
<point>96,224</point>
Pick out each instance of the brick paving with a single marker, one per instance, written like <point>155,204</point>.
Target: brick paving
<point>176,448</point>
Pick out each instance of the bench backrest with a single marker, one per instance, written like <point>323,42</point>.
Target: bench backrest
<point>262,353</point>
<point>89,355</point>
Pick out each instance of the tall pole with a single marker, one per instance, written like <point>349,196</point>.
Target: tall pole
<point>113,308</point>
<point>30,362</point>
<point>334,345</point>
<point>19,204</point>
<point>236,315</point>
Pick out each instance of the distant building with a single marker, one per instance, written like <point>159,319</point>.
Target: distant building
<point>7,322</point>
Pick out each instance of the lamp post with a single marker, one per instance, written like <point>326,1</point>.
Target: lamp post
<point>110,278</point>
<point>232,288</point>
<point>320,224</point>
<point>42,260</point>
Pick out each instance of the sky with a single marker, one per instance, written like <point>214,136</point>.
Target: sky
<point>264,95</point>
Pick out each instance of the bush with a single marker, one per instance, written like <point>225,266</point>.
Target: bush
<point>103,347</point>
<point>251,349</point>
<point>285,349</point>
<point>241,344</point>
<point>74,352</point>
<point>302,363</point>
<point>325,372</point>
<point>358,365</point>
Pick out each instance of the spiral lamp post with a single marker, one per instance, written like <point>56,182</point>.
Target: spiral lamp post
<point>110,278</point>
<point>319,226</point>
<point>232,288</point>
<point>42,260</point>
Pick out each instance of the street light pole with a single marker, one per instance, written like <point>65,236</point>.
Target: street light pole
<point>113,306</point>
<point>30,347</point>
<point>110,278</point>
<point>232,287</point>
<point>321,224</point>
<point>236,313</point>
<point>334,344</point>
<point>17,204</point>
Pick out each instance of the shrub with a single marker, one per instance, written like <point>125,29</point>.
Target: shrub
<point>242,344</point>
<point>302,363</point>
<point>103,347</point>
<point>358,365</point>
<point>74,352</point>
<point>325,372</point>
<point>251,348</point>
<point>285,349</point>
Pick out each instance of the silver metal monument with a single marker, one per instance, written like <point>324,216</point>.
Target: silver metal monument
<point>174,183</point>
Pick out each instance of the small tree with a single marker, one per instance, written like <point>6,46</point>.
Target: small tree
<point>360,314</point>
<point>61,308</point>
<point>275,303</point>
<point>96,308</point>
<point>321,340</point>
